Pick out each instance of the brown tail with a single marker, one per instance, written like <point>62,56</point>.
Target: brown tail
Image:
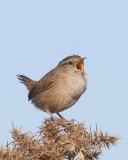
<point>27,81</point>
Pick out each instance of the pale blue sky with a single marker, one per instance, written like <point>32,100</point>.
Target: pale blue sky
<point>36,35</point>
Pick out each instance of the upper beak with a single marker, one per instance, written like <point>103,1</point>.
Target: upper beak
<point>79,65</point>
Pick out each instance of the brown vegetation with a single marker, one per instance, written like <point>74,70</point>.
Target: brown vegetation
<point>57,140</point>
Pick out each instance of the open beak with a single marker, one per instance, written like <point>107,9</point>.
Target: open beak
<point>79,65</point>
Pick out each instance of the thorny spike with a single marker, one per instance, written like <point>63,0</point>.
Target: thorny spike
<point>96,128</point>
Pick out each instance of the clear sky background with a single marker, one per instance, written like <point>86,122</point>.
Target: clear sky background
<point>36,35</point>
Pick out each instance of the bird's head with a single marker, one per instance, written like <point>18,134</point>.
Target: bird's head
<point>73,63</point>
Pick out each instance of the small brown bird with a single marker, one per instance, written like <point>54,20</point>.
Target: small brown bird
<point>60,88</point>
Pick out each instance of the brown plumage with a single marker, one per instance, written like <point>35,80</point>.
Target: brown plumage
<point>27,81</point>
<point>60,88</point>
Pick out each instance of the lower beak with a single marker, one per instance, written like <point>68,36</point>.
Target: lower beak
<point>79,66</point>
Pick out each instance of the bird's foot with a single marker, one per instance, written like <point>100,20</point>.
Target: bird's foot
<point>60,115</point>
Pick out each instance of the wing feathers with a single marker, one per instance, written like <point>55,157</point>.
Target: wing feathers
<point>39,87</point>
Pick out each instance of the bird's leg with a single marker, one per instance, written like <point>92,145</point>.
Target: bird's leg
<point>60,115</point>
<point>51,114</point>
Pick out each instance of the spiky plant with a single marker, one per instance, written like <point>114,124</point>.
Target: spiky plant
<point>57,140</point>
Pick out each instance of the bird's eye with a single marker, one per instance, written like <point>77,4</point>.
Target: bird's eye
<point>70,62</point>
